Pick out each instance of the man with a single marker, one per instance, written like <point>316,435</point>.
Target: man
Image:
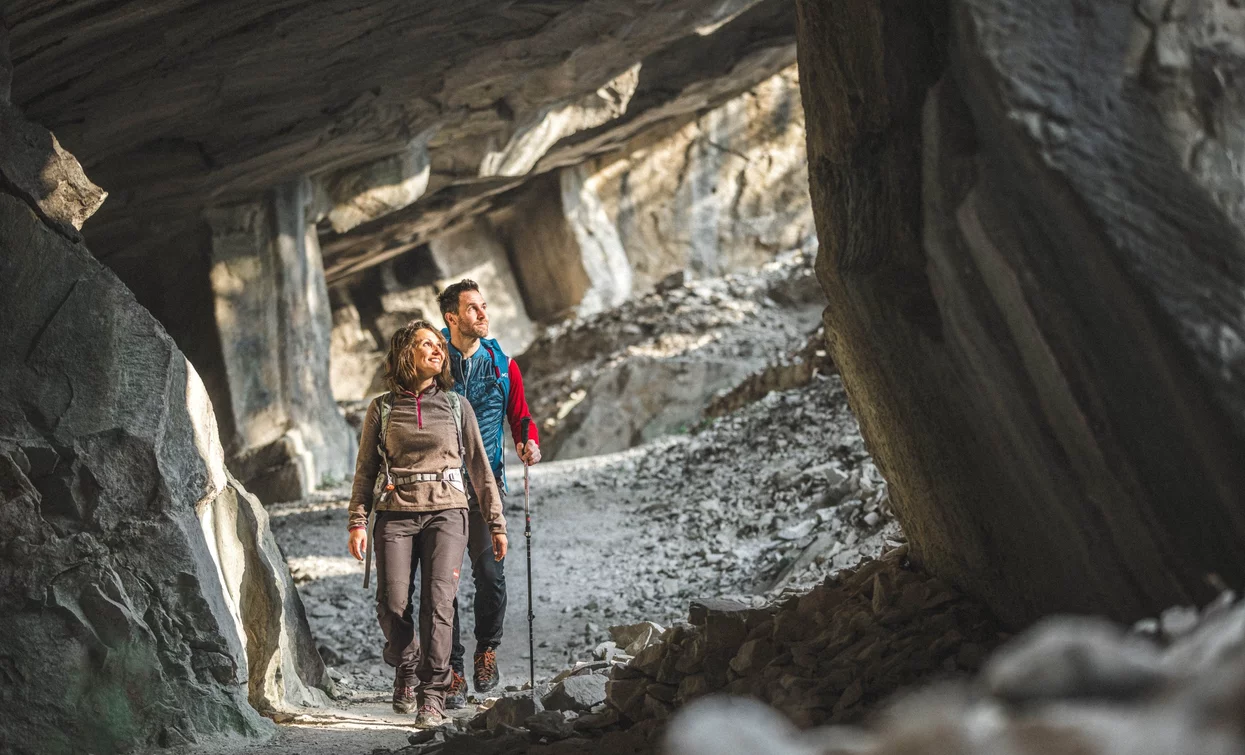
<point>491,381</point>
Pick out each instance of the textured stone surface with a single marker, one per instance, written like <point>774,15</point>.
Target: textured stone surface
<point>475,252</point>
<point>826,655</point>
<point>359,94</point>
<point>143,600</point>
<point>1049,370</point>
<point>37,169</point>
<point>724,193</point>
<point>662,89</point>
<point>578,693</point>
<point>273,323</point>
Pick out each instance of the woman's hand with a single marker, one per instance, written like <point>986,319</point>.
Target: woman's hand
<point>358,542</point>
<point>500,545</point>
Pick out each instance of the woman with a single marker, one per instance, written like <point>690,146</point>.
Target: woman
<point>412,452</point>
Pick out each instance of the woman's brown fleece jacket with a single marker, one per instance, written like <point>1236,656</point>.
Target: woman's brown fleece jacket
<point>422,438</point>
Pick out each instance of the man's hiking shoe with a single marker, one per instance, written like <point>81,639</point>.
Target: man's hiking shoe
<point>457,696</point>
<point>430,717</point>
<point>486,670</point>
<point>403,699</point>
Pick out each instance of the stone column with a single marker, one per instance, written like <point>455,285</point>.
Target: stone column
<point>274,321</point>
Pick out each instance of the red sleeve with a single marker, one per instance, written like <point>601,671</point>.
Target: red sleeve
<point>516,409</point>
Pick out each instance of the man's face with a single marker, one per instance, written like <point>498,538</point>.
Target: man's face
<point>472,318</point>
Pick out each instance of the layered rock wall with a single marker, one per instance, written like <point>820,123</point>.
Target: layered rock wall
<point>273,322</point>
<point>143,600</point>
<point>1034,254</point>
<point>723,193</point>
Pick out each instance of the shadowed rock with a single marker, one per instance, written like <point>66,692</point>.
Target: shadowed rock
<point>143,600</point>
<point>1033,246</point>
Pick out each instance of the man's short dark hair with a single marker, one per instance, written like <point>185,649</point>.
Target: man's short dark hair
<point>448,299</point>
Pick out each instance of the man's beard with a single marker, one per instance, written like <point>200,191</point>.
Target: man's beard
<point>479,330</point>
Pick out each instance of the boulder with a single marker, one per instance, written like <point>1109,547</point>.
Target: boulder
<point>511,710</point>
<point>577,693</point>
<point>1033,249</point>
<point>550,725</point>
<point>635,637</point>
<point>40,172</point>
<point>143,600</point>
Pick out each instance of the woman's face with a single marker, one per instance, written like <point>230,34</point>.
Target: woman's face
<point>429,356</point>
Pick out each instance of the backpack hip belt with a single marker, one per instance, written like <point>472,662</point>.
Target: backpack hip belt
<point>452,475</point>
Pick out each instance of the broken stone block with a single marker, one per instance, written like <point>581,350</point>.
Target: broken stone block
<point>599,720</point>
<point>724,632</point>
<point>650,658</point>
<point>692,687</point>
<point>623,694</point>
<point>693,655</point>
<point>700,610</point>
<point>577,693</point>
<point>633,638</point>
<point>511,710</point>
<point>656,709</point>
<point>663,692</point>
<point>752,656</point>
<point>550,725</point>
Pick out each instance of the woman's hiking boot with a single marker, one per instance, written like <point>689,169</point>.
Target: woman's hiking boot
<point>486,676</point>
<point>403,698</point>
<point>457,696</point>
<point>430,717</point>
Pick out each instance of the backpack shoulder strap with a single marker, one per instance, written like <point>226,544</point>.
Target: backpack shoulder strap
<point>384,476</point>
<point>386,408</point>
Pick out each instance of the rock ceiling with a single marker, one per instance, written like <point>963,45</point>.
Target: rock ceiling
<point>408,117</point>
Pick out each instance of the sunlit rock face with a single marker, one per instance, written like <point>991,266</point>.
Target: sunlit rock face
<point>1033,248</point>
<point>721,193</point>
<point>143,600</point>
<point>273,322</point>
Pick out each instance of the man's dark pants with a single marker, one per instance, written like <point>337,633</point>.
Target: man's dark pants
<point>490,581</point>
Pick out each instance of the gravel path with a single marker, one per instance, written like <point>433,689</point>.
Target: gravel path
<point>771,497</point>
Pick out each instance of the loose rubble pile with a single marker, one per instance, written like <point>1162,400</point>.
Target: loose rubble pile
<point>650,366</point>
<point>1070,686</point>
<point>827,655</point>
<point>776,495</point>
<point>789,371</point>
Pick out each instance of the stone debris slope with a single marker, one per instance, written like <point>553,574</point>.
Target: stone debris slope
<point>830,654</point>
<point>652,365</point>
<point>1069,686</point>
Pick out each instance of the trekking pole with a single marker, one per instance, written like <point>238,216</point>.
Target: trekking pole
<point>527,534</point>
